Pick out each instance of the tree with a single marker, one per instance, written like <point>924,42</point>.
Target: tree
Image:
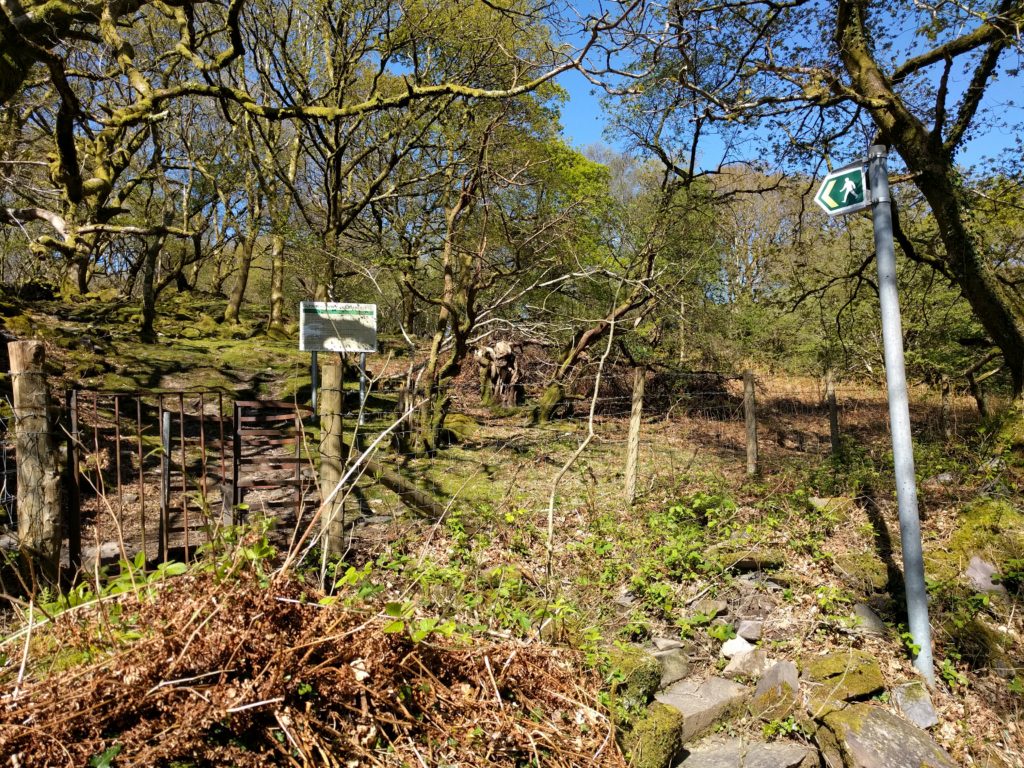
<point>814,79</point>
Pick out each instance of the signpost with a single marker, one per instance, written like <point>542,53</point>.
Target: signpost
<point>844,191</point>
<point>334,326</point>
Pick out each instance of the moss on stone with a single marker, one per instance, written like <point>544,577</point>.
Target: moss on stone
<point>981,645</point>
<point>989,527</point>
<point>636,677</point>
<point>862,571</point>
<point>842,676</point>
<point>461,426</point>
<point>655,739</point>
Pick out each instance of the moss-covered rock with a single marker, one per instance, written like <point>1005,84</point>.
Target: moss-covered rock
<point>981,645</point>
<point>636,675</point>
<point>990,528</point>
<point>655,740</point>
<point>843,676</point>
<point>867,736</point>
<point>862,571</point>
<point>461,427</point>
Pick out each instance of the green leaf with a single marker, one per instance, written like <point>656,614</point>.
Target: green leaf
<point>105,759</point>
<point>393,627</point>
<point>397,609</point>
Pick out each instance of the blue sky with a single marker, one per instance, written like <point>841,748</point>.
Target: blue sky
<point>582,118</point>
<point>584,122</point>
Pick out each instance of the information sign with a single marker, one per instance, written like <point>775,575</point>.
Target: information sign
<point>331,326</point>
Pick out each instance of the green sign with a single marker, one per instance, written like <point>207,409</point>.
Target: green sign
<point>844,191</point>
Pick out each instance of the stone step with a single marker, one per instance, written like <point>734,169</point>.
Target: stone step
<point>703,704</point>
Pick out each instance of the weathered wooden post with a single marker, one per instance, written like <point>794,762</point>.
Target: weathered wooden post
<point>833,414</point>
<point>633,442</point>
<point>947,422</point>
<point>38,463</point>
<point>751,421</point>
<point>332,519</point>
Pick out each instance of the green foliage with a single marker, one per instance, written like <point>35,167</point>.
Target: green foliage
<point>949,672</point>
<point>105,759</point>
<point>721,632</point>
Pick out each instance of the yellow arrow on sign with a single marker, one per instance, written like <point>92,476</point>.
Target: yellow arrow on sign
<point>827,194</point>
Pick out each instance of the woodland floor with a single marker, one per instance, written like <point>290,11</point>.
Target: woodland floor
<point>447,641</point>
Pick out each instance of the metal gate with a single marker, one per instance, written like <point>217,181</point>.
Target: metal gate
<point>163,472</point>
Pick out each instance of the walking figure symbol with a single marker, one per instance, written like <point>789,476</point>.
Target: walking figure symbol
<point>849,188</point>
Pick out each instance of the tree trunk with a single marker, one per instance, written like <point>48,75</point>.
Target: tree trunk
<point>275,326</point>
<point>152,259</point>
<point>242,267</point>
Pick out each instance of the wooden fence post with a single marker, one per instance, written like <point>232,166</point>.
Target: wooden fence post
<point>633,442</point>
<point>38,463</point>
<point>332,519</point>
<point>751,421</point>
<point>945,413</point>
<point>833,414</point>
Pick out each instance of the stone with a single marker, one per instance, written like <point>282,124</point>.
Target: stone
<point>675,665</point>
<point>868,622</point>
<point>665,643</point>
<point>915,704</point>
<point>867,736</point>
<point>752,559</point>
<point>756,607</point>
<point>979,575</point>
<point>704,704</point>
<point>710,608</point>
<point>864,572</point>
<point>750,629</point>
<point>108,550</point>
<point>639,676</point>
<point>735,646</point>
<point>741,753</point>
<point>842,676</point>
<point>750,665</point>
<point>752,581</point>
<point>941,479</point>
<point>776,695</point>
<point>655,740</point>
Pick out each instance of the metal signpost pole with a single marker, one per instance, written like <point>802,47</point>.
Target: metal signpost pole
<point>899,413</point>
<point>362,388</point>
<point>314,376</point>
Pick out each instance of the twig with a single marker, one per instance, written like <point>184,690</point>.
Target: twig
<point>24,654</point>
<point>243,707</point>
<point>497,693</point>
<point>580,450</point>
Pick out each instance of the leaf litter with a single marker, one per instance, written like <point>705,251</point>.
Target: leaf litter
<point>234,673</point>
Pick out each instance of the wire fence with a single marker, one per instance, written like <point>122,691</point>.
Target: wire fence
<point>126,462</point>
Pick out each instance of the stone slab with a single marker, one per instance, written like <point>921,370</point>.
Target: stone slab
<point>704,704</point>
<point>740,753</point>
<point>870,737</point>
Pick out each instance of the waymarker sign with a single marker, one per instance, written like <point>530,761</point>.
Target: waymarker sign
<point>844,191</point>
